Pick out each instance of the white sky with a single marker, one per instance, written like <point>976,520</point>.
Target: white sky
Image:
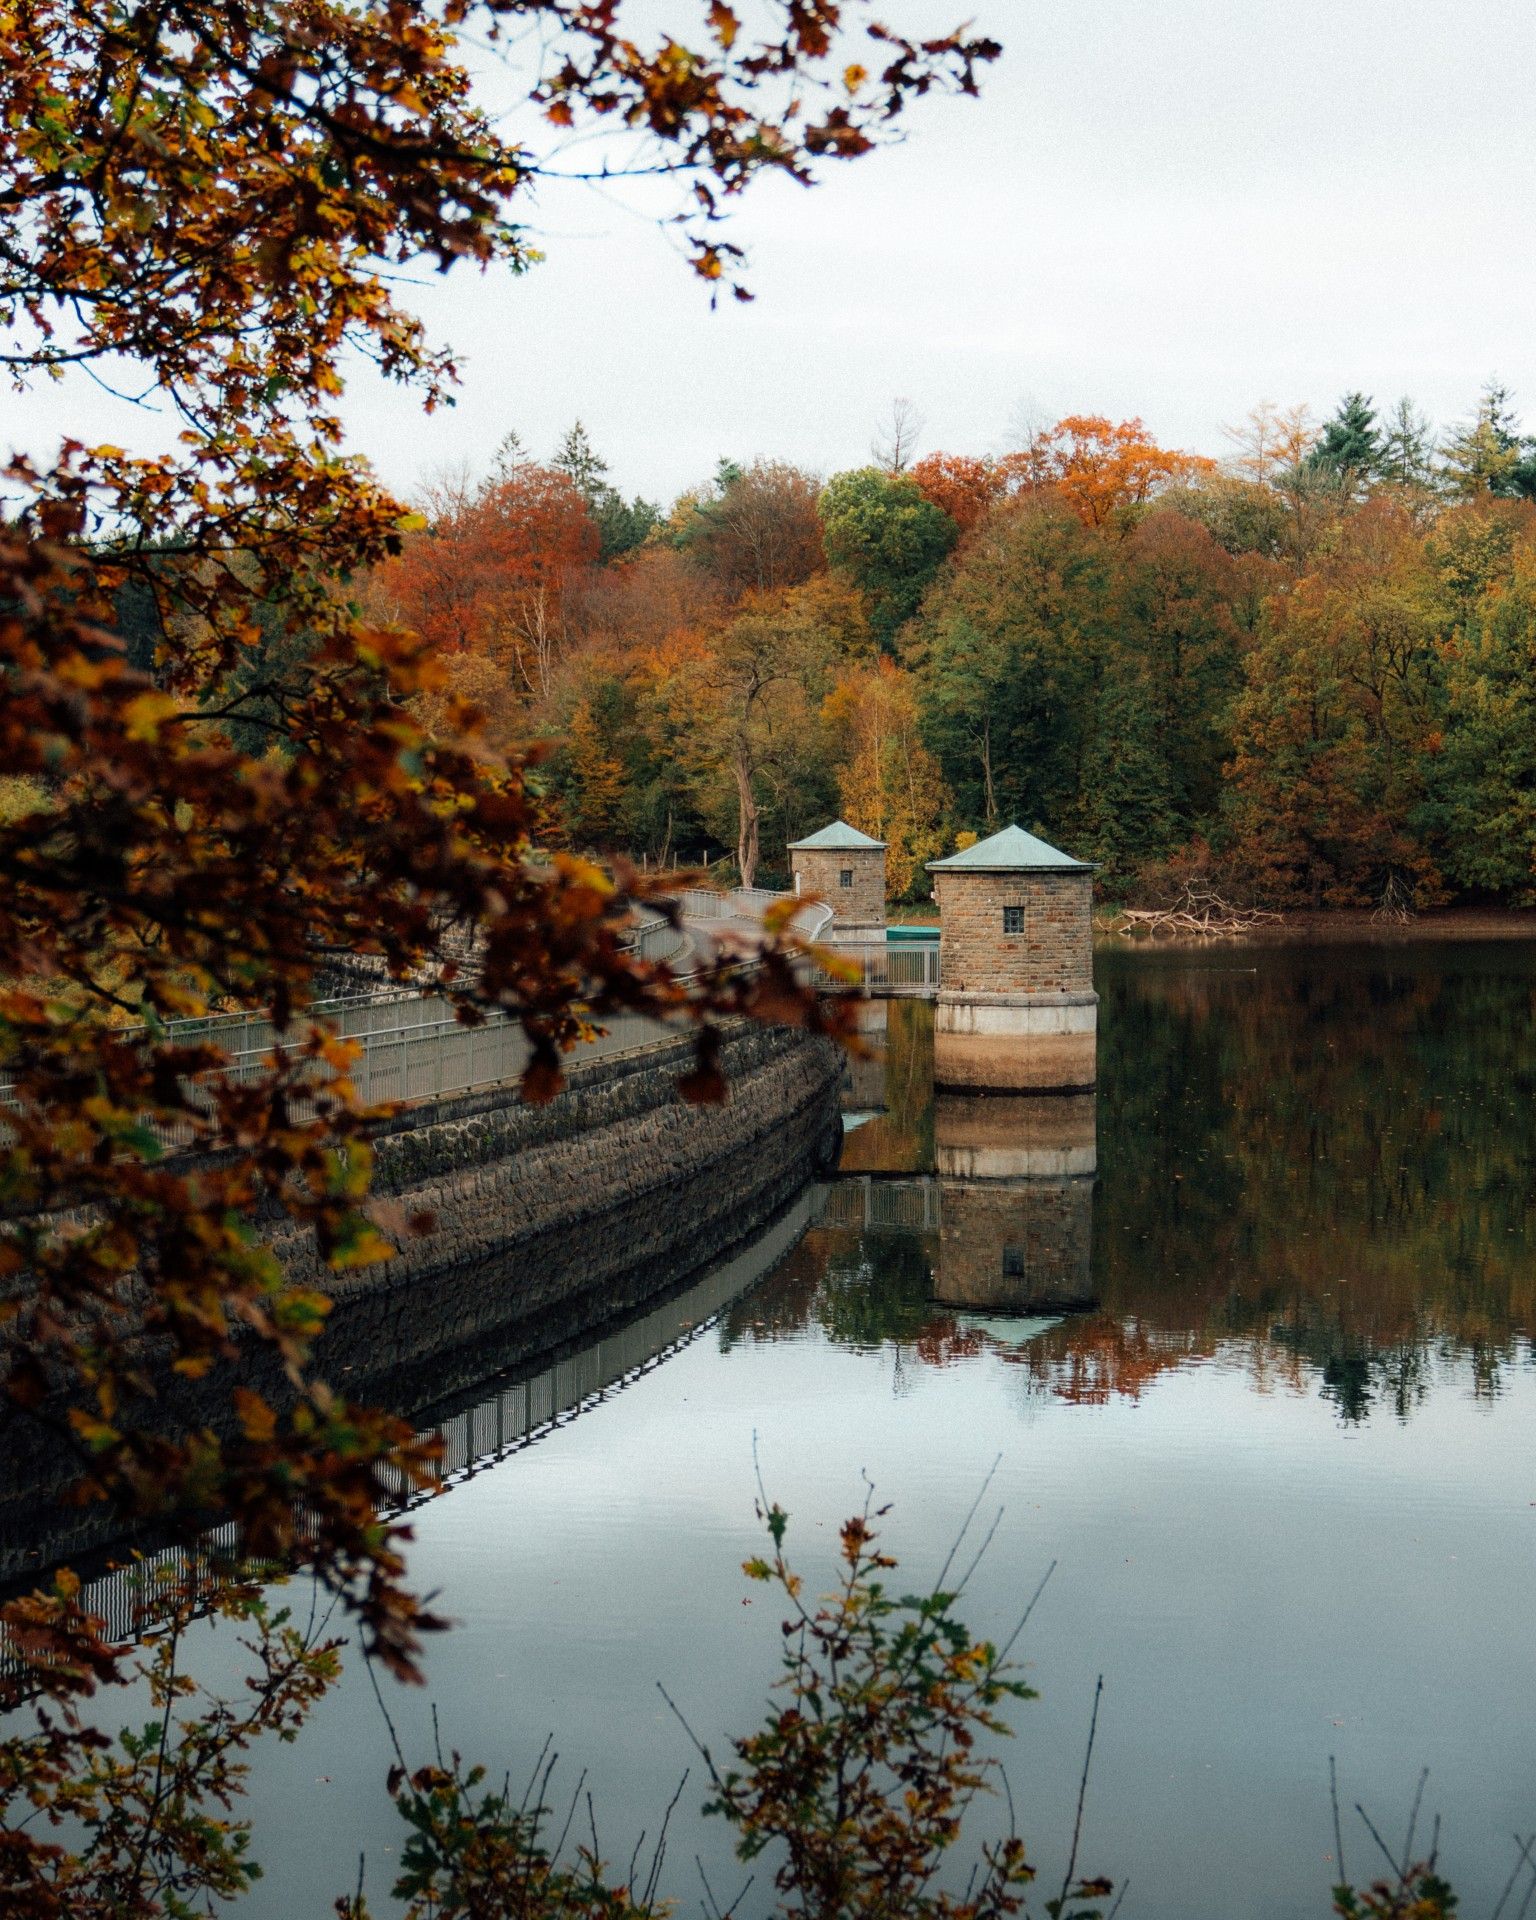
<point>1166,207</point>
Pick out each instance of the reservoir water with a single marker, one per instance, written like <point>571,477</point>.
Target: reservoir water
<point>1250,1339</point>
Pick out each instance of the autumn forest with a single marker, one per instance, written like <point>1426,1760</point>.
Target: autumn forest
<point>1305,667</point>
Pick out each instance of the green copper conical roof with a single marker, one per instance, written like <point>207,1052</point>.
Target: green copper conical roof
<point>838,838</point>
<point>1011,851</point>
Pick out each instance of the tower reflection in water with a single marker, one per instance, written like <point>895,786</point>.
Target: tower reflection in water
<point>1015,1177</point>
<point>863,1092</point>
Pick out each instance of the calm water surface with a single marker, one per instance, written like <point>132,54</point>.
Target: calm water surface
<point>1252,1337</point>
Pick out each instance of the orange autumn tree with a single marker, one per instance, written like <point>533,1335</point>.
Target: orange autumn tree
<point>889,784</point>
<point>493,570</point>
<point>962,485</point>
<point>1339,722</point>
<point>1102,468</point>
<point>223,202</point>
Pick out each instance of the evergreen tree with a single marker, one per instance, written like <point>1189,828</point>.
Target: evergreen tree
<point>581,463</point>
<point>1407,448</point>
<point>510,454</point>
<point>1349,446</point>
<point>622,525</point>
<point>1488,454</point>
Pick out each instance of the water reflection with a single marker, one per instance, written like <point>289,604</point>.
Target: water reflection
<point>1319,1169</point>
<point>1016,1180</point>
<point>1303,1205</point>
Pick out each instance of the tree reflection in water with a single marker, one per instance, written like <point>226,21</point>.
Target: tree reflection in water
<point>1317,1166</point>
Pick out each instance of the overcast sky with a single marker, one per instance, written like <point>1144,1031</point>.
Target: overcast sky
<point>1172,208</point>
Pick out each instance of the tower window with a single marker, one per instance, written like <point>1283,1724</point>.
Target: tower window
<point>1013,919</point>
<point>1014,1264</point>
<point>845,878</point>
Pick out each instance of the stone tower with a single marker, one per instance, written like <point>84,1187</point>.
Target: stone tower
<point>847,869</point>
<point>1016,1010</point>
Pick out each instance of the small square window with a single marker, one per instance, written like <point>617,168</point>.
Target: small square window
<point>1013,1263</point>
<point>1013,919</point>
<point>845,878</point>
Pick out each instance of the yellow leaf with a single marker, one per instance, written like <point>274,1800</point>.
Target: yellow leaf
<point>258,1421</point>
<point>143,715</point>
<point>362,1250</point>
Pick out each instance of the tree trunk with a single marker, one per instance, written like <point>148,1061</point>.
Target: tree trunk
<point>986,770</point>
<point>746,821</point>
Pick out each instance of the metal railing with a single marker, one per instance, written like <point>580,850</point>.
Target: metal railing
<point>912,967</point>
<point>412,1047</point>
<point>860,1202</point>
<point>747,906</point>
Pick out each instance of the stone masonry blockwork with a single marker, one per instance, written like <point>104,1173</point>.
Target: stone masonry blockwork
<point>818,870</point>
<point>1053,953</point>
<point>548,1221</point>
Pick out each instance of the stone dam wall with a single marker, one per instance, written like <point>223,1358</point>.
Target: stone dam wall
<point>551,1219</point>
<point>550,1222</point>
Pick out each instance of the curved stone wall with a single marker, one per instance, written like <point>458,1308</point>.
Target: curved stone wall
<point>550,1221</point>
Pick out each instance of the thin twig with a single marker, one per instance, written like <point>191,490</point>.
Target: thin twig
<point>1370,1828</point>
<point>981,1492</point>
<point>1082,1789</point>
<point>699,1746</point>
<point>1522,1859</point>
<point>1413,1821</point>
<point>1008,1644</point>
<point>1342,1878</point>
<point>653,1878</point>
<point>709,1898</point>
<point>559,1846</point>
<point>1529,1893</point>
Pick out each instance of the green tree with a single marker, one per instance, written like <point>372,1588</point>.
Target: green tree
<point>1008,655</point>
<point>622,525</point>
<point>1485,773</point>
<point>1349,446</point>
<point>1343,705</point>
<point>1177,596</point>
<point>581,463</point>
<point>1488,453</point>
<point>1407,456</point>
<point>888,539</point>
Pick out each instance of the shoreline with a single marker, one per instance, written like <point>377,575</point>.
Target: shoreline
<point>1355,926</point>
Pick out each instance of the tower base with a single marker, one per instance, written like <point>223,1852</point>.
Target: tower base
<point>1016,1042</point>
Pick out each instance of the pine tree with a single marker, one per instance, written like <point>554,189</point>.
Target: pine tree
<point>1407,448</point>
<point>582,464</point>
<point>510,454</point>
<point>1488,454</point>
<point>1350,444</point>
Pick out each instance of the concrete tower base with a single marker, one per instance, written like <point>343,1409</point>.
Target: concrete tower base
<point>1016,1042</point>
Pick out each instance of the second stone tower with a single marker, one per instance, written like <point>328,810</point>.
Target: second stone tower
<point>1016,1009</point>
